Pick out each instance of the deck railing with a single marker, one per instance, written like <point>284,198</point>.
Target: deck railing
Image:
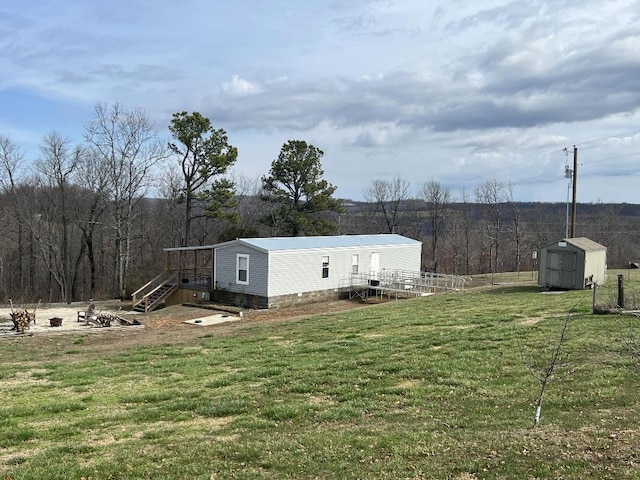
<point>402,282</point>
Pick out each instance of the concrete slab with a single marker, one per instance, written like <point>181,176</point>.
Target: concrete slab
<point>213,320</point>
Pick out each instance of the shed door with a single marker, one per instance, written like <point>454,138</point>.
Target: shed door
<point>562,269</point>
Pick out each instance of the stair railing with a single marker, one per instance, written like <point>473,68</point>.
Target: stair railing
<point>150,302</point>
<point>143,293</point>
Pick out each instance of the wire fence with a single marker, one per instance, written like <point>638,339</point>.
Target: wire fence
<point>620,293</point>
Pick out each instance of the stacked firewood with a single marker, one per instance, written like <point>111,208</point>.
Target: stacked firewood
<point>22,320</point>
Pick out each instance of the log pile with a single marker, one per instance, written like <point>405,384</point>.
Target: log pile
<point>22,320</point>
<point>105,319</point>
<point>108,319</point>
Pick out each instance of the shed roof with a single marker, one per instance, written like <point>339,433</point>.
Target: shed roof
<point>585,244</point>
<point>326,242</point>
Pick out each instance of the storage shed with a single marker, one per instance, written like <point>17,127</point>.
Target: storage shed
<point>278,271</point>
<point>572,263</point>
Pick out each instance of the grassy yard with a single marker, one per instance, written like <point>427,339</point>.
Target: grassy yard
<point>436,387</point>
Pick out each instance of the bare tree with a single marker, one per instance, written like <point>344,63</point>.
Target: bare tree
<point>462,226</point>
<point>56,166</point>
<point>170,214</point>
<point>545,229</point>
<point>517,227</point>
<point>558,365</point>
<point>605,229</point>
<point>386,199</point>
<point>438,199</point>
<point>11,158</point>
<point>491,197</point>
<point>127,143</point>
<point>413,219</point>
<point>92,177</point>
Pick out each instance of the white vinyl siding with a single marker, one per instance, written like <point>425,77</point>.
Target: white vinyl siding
<point>227,270</point>
<point>296,271</point>
<point>277,272</point>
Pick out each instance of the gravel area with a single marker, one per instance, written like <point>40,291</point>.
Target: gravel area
<point>68,314</point>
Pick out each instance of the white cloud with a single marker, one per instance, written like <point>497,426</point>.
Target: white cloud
<point>238,87</point>
<point>379,135</point>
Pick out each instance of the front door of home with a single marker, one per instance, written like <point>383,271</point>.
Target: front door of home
<point>375,265</point>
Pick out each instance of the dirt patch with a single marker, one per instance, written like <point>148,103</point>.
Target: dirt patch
<point>26,377</point>
<point>530,321</point>
<point>408,384</point>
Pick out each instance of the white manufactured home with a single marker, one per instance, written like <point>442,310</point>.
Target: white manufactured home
<point>278,271</point>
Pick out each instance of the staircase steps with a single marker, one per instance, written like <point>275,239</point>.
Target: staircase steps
<point>156,297</point>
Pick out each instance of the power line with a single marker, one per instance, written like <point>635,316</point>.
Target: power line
<point>549,174</point>
<point>580,144</point>
<point>528,160</point>
<point>611,158</point>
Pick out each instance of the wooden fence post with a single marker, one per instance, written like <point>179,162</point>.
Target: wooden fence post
<point>621,291</point>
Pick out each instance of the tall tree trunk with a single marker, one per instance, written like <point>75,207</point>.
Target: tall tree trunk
<point>187,219</point>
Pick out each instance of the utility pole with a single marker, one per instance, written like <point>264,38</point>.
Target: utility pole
<point>575,180</point>
<point>568,174</point>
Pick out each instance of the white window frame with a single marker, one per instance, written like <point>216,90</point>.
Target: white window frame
<point>325,266</point>
<point>355,260</point>
<point>239,257</point>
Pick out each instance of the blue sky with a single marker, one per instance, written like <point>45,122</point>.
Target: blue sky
<point>457,91</point>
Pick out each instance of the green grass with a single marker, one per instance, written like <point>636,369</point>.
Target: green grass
<point>435,387</point>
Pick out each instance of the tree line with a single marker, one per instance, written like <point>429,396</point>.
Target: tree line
<point>90,220</point>
<point>485,230</point>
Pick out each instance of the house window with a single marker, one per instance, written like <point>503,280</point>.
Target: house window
<point>242,269</point>
<point>354,263</point>
<point>325,266</point>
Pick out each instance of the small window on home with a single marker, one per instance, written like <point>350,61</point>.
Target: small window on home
<point>354,263</point>
<point>325,266</point>
<point>242,269</point>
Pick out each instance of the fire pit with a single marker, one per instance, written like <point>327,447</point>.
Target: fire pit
<point>55,322</point>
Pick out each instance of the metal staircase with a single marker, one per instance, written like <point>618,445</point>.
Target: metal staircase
<point>154,293</point>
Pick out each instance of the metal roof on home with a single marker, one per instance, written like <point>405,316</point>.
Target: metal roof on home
<point>270,244</point>
<point>325,242</point>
